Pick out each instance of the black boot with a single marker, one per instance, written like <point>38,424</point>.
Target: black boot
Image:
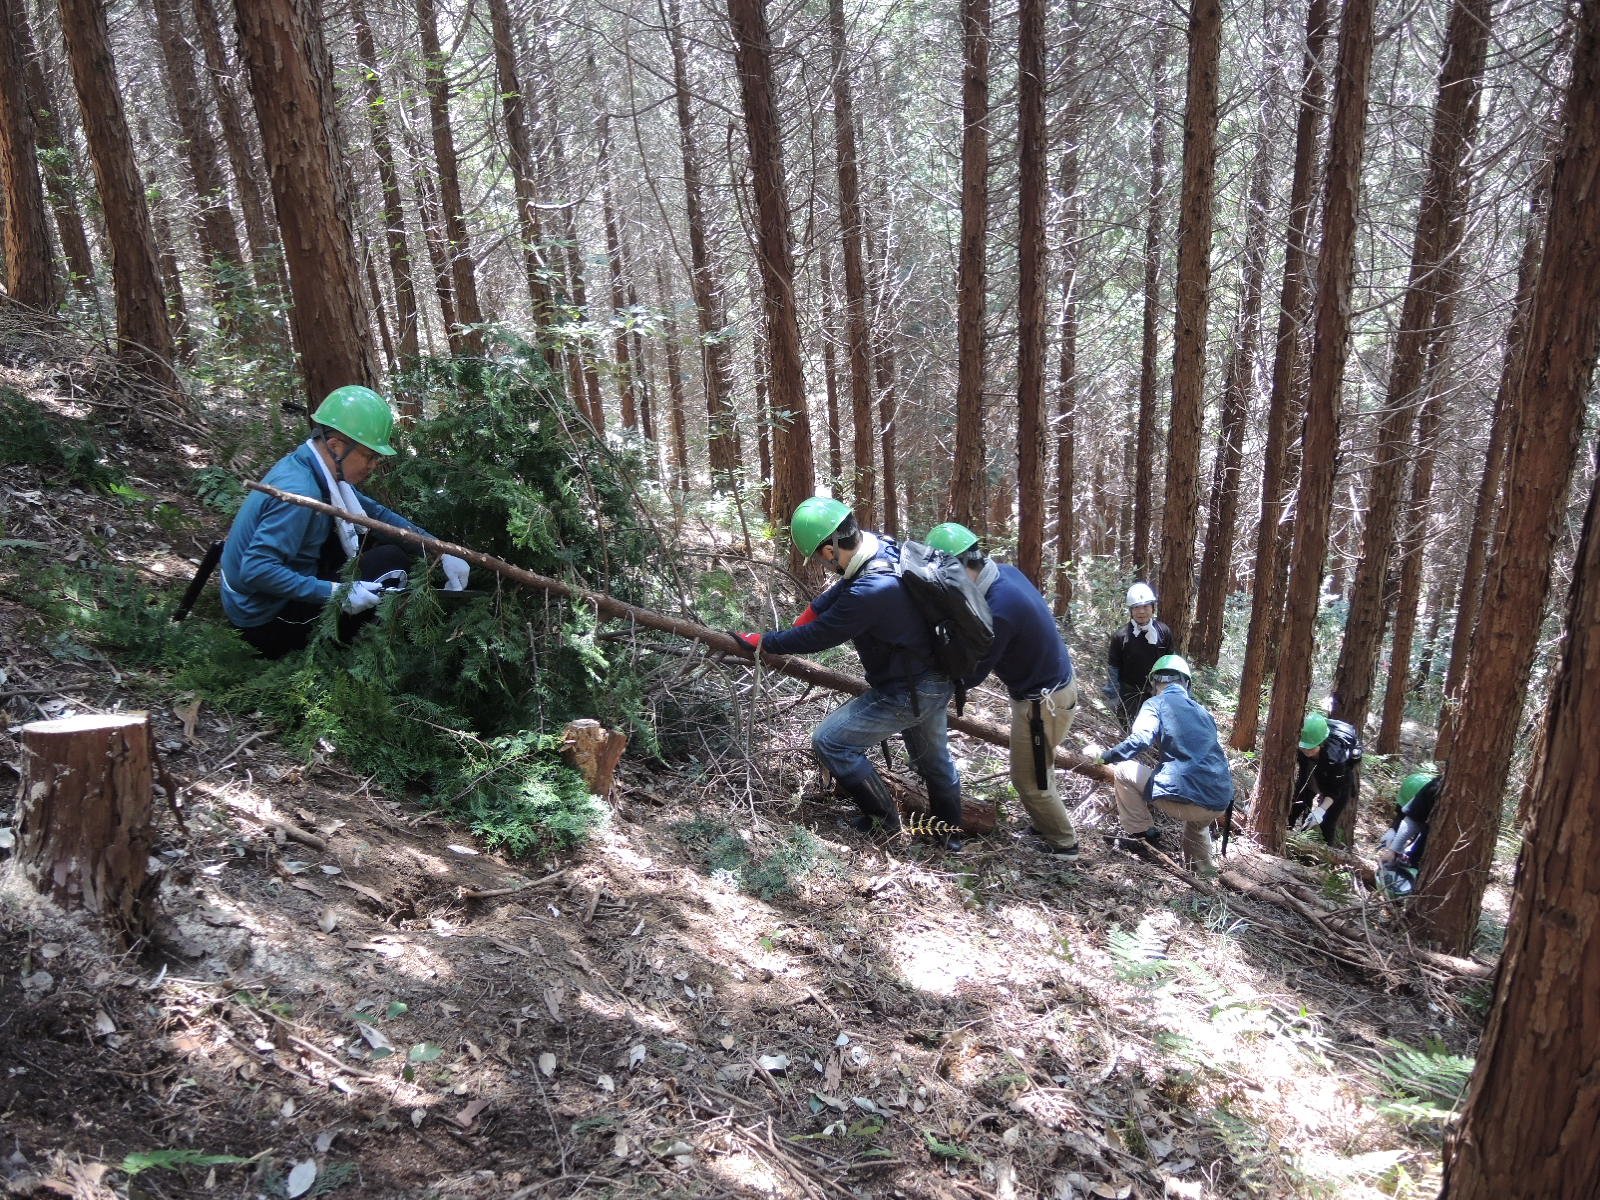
<point>871,795</point>
<point>946,806</point>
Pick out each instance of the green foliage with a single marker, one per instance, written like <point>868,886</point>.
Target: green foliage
<point>1423,1085</point>
<point>726,852</point>
<point>218,489</point>
<point>145,1160</point>
<point>30,436</point>
<point>1140,956</point>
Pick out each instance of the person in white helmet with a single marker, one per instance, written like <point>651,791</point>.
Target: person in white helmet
<point>1133,651</point>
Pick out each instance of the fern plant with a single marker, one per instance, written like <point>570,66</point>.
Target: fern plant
<point>1424,1085</point>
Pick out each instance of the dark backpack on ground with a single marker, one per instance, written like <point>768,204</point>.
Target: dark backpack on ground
<point>956,611</point>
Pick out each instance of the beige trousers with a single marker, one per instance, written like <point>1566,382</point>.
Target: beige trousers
<point>1043,805</point>
<point>1133,810</point>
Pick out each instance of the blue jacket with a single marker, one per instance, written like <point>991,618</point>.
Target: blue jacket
<point>873,610</point>
<point>1028,654</point>
<point>271,554</point>
<point>1193,767</point>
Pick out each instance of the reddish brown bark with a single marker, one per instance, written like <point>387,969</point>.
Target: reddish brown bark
<point>56,161</point>
<point>1195,213</point>
<point>1145,436</point>
<point>830,369</point>
<point>1032,265</point>
<point>1314,502</point>
<point>792,472</point>
<point>30,278</point>
<point>519,157</point>
<point>626,400</point>
<point>1546,403</point>
<point>281,44</point>
<point>1283,405</point>
<point>1440,227</point>
<point>967,480</point>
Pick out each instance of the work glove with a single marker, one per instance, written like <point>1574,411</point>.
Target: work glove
<point>363,595</point>
<point>455,572</point>
<point>806,617</point>
<point>753,640</point>
<point>1094,752</point>
<point>393,581</point>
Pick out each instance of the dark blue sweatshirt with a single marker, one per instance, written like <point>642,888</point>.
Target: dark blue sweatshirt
<point>872,610</point>
<point>1028,654</point>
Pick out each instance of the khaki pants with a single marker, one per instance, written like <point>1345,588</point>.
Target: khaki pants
<point>1043,805</point>
<point>1133,810</point>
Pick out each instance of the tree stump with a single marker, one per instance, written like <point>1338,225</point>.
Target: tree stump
<point>83,829</point>
<point>591,748</point>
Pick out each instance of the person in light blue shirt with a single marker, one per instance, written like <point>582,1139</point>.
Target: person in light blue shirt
<point>282,562</point>
<point>1191,782</point>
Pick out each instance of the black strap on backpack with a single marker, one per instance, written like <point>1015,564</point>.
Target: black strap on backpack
<point>956,611</point>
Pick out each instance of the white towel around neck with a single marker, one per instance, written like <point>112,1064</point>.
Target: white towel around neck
<point>342,496</point>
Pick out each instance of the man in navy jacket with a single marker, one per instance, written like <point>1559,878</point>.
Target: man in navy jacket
<point>1035,666</point>
<point>908,695</point>
<point>1191,781</point>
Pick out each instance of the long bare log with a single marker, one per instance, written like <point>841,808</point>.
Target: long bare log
<point>609,606</point>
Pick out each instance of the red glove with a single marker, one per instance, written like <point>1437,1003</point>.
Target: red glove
<point>753,640</point>
<point>806,617</point>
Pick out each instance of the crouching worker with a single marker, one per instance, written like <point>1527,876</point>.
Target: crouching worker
<point>1191,783</point>
<point>1327,774</point>
<point>282,562</point>
<point>1033,662</point>
<point>871,608</point>
<point>1400,849</point>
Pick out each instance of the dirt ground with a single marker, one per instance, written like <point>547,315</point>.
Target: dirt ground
<point>346,996</point>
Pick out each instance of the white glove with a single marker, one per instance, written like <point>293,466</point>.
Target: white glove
<point>455,572</point>
<point>1093,751</point>
<point>363,594</point>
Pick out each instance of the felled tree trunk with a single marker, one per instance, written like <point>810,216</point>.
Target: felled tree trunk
<point>590,748</point>
<point>83,835</point>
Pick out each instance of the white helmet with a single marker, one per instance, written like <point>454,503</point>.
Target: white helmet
<point>1140,593</point>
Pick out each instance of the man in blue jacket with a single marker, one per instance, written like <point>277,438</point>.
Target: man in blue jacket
<point>870,608</point>
<point>1035,666</point>
<point>282,561</point>
<point>1191,783</point>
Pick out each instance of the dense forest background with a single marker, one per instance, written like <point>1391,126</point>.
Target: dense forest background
<point>1288,310</point>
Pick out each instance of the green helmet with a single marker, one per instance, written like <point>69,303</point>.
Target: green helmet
<point>952,538</point>
<point>816,519</point>
<point>1411,785</point>
<point>1170,664</point>
<point>1314,732</point>
<point>360,414</point>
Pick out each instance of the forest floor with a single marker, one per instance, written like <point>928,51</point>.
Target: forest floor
<point>346,996</point>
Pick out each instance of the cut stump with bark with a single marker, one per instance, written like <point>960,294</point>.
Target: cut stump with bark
<point>590,748</point>
<point>83,830</point>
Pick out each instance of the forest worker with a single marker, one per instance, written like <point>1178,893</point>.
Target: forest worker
<point>282,561</point>
<point>1326,774</point>
<point>1400,849</point>
<point>1132,651</point>
<point>907,695</point>
<point>1035,666</point>
<point>1191,783</point>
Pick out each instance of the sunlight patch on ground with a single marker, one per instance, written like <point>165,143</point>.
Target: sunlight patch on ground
<point>933,961</point>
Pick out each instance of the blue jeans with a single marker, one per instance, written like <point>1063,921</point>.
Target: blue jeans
<point>844,737</point>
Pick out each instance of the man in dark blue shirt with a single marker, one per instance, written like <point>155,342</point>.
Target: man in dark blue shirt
<point>1327,774</point>
<point>907,695</point>
<point>1033,662</point>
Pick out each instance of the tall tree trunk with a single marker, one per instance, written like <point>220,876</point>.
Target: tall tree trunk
<point>792,466</point>
<point>1283,406</point>
<point>1487,508</point>
<point>214,227</point>
<point>1145,436</point>
<point>465,340</point>
<point>641,363</point>
<point>1314,502</point>
<point>885,371</point>
<point>1216,564</point>
<point>145,338</point>
<point>1444,589</point>
<point>1546,402</point>
<point>247,180</point>
<point>281,44</point>
<point>1439,230</point>
<point>1527,1128</point>
<point>715,368</point>
<point>519,157</point>
<point>30,278</point>
<point>1032,268</point>
<point>830,372</point>
<point>1067,370</point>
<point>1184,429</point>
<point>409,345</point>
<point>619,285</point>
<point>967,481</point>
<point>680,405</point>
<point>863,489</point>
